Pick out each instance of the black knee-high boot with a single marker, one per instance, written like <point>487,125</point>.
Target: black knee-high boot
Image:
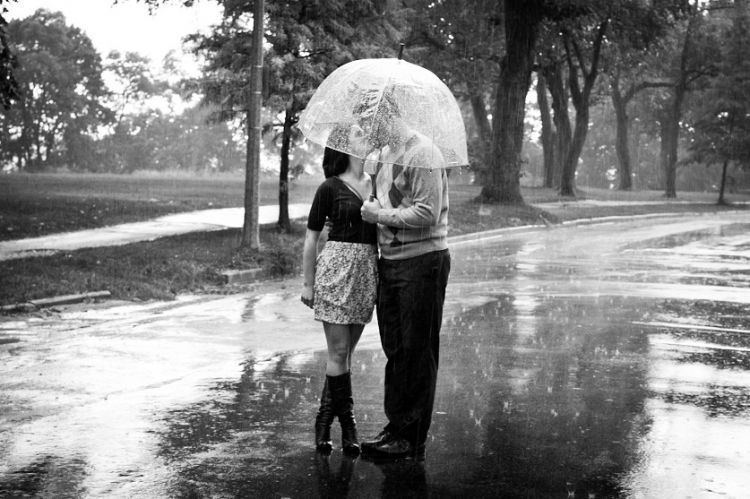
<point>343,408</point>
<point>323,420</point>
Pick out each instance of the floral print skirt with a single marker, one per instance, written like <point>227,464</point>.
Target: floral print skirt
<point>346,276</point>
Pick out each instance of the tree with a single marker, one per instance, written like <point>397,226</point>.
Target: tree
<point>8,64</point>
<point>580,95</point>
<point>462,41</point>
<point>691,48</point>
<point>551,74</point>
<point>133,80</point>
<point>589,43</point>
<point>60,91</point>
<point>576,44</point>
<point>306,41</point>
<point>722,133</point>
<point>227,81</point>
<point>522,20</point>
<point>129,146</point>
<point>630,69</point>
<point>152,139</point>
<point>548,135</point>
<point>621,97</point>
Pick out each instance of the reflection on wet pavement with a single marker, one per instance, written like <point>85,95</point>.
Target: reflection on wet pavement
<point>580,362</point>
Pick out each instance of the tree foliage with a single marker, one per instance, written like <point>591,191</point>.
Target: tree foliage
<point>462,41</point>
<point>154,140</point>
<point>306,40</point>
<point>133,81</point>
<point>721,133</point>
<point>8,63</point>
<point>60,89</point>
<point>672,66</point>
<point>685,57</point>
<point>575,49</point>
<point>487,50</point>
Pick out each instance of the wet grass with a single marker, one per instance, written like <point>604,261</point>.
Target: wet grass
<point>572,212</point>
<point>23,217</point>
<point>33,205</point>
<point>157,270</point>
<point>470,216</point>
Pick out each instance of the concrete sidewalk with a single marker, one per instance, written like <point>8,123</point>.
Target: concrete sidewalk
<point>169,225</point>
<point>223,218</point>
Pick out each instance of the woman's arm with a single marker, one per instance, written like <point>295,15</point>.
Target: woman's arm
<point>309,254</point>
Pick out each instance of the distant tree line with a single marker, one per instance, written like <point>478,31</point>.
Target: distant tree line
<point>627,93</point>
<point>63,114</point>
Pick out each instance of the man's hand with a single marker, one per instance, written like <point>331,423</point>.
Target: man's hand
<point>370,210</point>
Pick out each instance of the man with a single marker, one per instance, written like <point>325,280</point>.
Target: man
<point>411,210</point>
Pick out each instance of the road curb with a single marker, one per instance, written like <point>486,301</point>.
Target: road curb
<point>55,300</point>
<point>242,276</point>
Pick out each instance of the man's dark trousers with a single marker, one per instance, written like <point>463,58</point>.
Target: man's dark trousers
<point>411,293</point>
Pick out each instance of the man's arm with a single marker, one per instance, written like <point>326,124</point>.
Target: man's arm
<point>427,196</point>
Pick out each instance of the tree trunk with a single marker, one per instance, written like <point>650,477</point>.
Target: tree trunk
<point>548,136</point>
<point>567,180</point>
<point>622,145</point>
<point>670,140</point>
<point>636,164</point>
<point>581,98</point>
<point>561,118</point>
<point>669,156</point>
<point>670,165</point>
<point>250,227</point>
<point>522,18</point>
<point>663,150</point>
<point>721,200</point>
<point>485,131</point>
<point>286,138</point>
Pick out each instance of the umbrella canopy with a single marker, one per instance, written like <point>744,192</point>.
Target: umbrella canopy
<point>391,100</point>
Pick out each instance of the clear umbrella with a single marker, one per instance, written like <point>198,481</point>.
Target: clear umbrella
<point>391,100</point>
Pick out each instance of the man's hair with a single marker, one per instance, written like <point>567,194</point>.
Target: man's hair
<point>376,113</point>
<point>376,105</point>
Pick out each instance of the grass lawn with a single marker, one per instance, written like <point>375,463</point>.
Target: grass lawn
<point>157,269</point>
<point>38,204</point>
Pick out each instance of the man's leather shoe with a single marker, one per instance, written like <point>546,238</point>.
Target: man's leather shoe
<point>392,448</point>
<point>370,445</point>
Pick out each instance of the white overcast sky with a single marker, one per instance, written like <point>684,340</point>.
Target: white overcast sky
<point>128,26</point>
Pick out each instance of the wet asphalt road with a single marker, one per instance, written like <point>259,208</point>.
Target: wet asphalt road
<point>607,360</point>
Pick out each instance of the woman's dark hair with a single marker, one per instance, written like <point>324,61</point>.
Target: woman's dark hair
<point>336,162</point>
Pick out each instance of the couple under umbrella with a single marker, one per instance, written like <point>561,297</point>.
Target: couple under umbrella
<point>390,131</point>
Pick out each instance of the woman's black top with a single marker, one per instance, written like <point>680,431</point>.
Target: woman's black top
<point>335,201</point>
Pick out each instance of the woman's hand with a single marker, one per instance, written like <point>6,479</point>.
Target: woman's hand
<point>307,295</point>
<point>309,253</point>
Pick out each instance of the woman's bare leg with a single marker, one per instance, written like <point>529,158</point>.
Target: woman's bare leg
<point>355,333</point>
<point>339,342</point>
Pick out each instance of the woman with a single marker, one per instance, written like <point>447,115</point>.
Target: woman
<point>340,284</point>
